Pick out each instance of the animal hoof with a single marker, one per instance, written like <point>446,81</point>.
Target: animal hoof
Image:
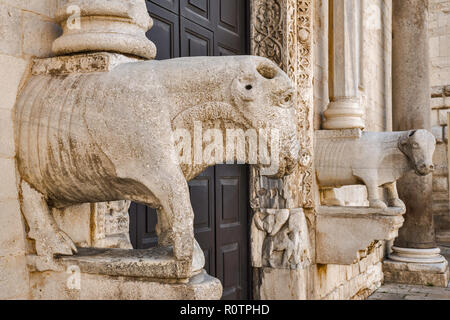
<point>378,204</point>
<point>396,203</point>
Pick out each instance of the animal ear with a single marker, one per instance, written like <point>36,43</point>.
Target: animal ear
<point>411,133</point>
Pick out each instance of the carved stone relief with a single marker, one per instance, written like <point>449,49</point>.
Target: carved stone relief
<point>282,31</point>
<point>111,225</point>
<point>280,239</point>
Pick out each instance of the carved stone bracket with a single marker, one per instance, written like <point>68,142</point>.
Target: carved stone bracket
<point>341,232</point>
<point>282,31</point>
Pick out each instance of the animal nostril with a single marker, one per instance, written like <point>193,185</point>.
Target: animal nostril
<point>249,87</point>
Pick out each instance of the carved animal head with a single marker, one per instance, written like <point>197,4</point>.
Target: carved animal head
<point>265,96</point>
<point>418,146</point>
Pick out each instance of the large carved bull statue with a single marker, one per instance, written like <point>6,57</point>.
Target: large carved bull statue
<point>105,136</point>
<point>376,159</point>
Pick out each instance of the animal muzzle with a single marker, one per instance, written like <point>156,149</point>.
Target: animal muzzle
<point>424,169</point>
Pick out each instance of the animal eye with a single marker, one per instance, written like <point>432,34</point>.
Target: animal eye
<point>415,145</point>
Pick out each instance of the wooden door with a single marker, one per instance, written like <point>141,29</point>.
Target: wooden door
<point>219,196</point>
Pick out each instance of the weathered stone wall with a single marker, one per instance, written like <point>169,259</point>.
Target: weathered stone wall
<point>26,30</point>
<point>356,281</point>
<point>439,30</point>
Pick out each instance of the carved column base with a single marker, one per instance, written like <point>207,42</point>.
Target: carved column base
<point>417,267</point>
<point>114,25</point>
<point>343,114</point>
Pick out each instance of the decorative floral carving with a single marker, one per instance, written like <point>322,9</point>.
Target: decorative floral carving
<point>282,31</point>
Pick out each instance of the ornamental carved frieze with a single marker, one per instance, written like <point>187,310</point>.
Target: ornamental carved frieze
<point>281,30</point>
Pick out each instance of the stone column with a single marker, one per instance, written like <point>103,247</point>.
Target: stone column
<point>344,110</point>
<point>415,258</point>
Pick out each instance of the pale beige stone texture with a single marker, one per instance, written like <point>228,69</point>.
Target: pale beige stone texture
<point>10,30</point>
<point>9,86</point>
<point>39,34</point>
<point>45,8</point>
<point>14,280</point>
<point>12,233</point>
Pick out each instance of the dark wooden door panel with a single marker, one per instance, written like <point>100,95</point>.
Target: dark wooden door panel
<point>202,198</point>
<point>172,5</point>
<point>230,33</point>
<point>202,12</point>
<point>165,32</point>
<point>232,230</point>
<point>195,40</point>
<point>143,220</point>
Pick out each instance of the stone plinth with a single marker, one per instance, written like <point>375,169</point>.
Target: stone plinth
<point>416,266</point>
<point>154,263</point>
<point>435,274</point>
<point>70,285</point>
<point>341,232</point>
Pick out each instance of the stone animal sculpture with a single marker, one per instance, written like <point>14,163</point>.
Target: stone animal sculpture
<point>106,136</point>
<point>376,159</point>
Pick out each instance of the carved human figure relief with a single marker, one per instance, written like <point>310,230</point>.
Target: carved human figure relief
<point>279,239</point>
<point>374,159</point>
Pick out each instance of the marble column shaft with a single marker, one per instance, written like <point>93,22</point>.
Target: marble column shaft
<point>411,110</point>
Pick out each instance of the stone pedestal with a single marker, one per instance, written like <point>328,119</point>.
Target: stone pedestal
<point>71,285</point>
<point>341,232</point>
<point>417,266</point>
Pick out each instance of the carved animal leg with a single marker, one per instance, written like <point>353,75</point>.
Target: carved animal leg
<point>49,239</point>
<point>374,197</point>
<point>393,199</point>
<point>176,217</point>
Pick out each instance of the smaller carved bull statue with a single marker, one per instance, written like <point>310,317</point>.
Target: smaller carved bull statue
<point>375,159</point>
